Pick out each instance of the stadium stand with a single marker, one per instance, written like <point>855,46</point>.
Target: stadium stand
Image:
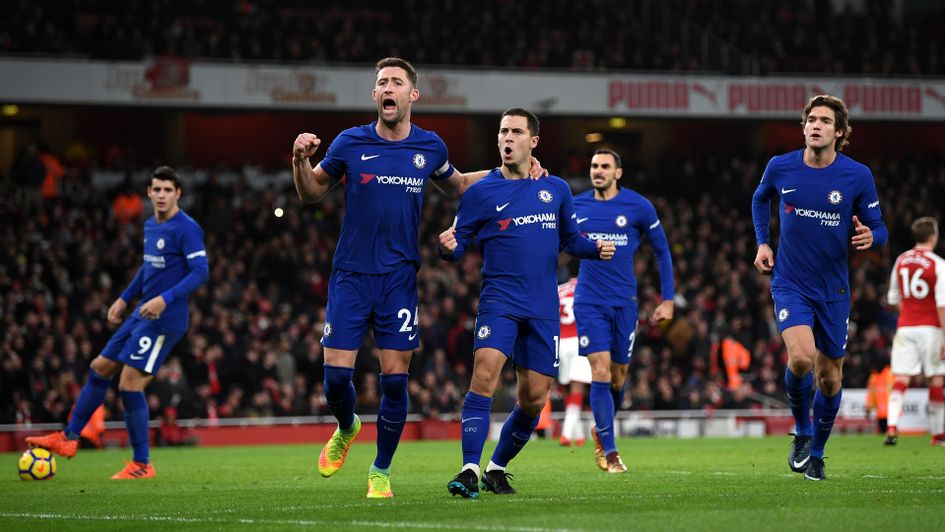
<point>875,37</point>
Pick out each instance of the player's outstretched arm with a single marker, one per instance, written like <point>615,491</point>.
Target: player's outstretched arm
<point>311,183</point>
<point>456,184</point>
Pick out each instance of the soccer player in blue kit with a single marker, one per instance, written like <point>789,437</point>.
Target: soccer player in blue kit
<point>824,198</point>
<point>175,264</point>
<point>521,225</point>
<point>374,272</point>
<point>605,300</point>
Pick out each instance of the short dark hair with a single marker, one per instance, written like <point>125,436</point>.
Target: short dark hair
<point>840,112</point>
<point>166,173</point>
<point>399,63</point>
<point>924,228</point>
<point>533,125</point>
<point>604,151</point>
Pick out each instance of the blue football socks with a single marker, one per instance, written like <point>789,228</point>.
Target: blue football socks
<point>617,394</point>
<point>798,393</point>
<point>475,425</point>
<point>391,417</point>
<point>825,413</point>
<point>516,432</point>
<point>137,415</point>
<point>340,395</point>
<point>90,398</point>
<point>602,405</point>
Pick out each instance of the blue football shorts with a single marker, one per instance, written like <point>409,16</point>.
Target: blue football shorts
<point>827,319</point>
<point>530,343</point>
<point>388,301</point>
<point>606,328</point>
<point>142,344</point>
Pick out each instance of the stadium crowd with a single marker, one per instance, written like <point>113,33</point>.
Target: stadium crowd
<point>733,36</point>
<point>253,346</point>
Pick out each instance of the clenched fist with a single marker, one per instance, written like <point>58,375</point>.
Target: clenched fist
<point>305,146</point>
<point>606,249</point>
<point>448,240</point>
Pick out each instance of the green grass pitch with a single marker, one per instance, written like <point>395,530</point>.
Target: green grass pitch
<point>700,484</point>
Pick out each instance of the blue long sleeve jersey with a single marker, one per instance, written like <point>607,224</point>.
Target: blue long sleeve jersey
<point>816,213</point>
<point>383,195</point>
<point>624,219</point>
<point>175,264</point>
<point>522,225</point>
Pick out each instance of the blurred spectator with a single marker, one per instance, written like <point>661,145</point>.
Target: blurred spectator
<point>127,206</point>
<point>170,433</point>
<point>52,180</point>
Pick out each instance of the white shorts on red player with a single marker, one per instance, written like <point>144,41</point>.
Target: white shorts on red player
<point>917,349</point>
<point>573,367</point>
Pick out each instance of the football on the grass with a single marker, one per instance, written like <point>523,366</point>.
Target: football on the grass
<point>37,464</point>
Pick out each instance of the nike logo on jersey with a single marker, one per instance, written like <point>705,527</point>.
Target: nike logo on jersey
<point>499,208</point>
<point>802,463</point>
<point>137,357</point>
<point>368,157</point>
<point>787,190</point>
<point>581,220</point>
<point>412,336</point>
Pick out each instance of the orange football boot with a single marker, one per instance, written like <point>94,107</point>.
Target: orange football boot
<point>134,470</point>
<point>55,442</point>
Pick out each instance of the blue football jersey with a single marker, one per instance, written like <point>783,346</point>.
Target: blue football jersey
<point>383,195</point>
<point>623,219</point>
<point>175,264</point>
<point>816,212</point>
<point>521,224</point>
